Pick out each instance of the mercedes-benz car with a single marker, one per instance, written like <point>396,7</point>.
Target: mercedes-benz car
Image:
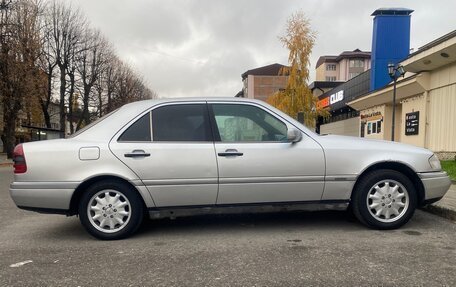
<point>181,157</point>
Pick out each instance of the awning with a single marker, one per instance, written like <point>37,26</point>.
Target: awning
<point>405,88</point>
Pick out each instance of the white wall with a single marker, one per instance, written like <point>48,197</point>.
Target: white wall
<point>349,127</point>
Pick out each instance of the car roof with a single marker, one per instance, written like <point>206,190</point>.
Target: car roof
<point>106,129</point>
<point>188,99</point>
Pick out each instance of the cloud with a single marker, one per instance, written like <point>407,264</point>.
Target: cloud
<point>200,48</point>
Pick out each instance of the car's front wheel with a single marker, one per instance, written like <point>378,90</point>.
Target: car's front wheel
<point>111,210</point>
<point>384,199</point>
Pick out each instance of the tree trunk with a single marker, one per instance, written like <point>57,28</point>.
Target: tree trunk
<point>9,131</point>
<point>85,116</point>
<point>62,100</point>
<point>45,104</point>
<point>70,101</point>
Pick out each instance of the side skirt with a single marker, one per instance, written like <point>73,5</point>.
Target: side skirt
<point>267,207</point>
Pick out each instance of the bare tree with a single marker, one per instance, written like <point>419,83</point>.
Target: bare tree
<point>19,53</point>
<point>91,63</point>
<point>67,26</point>
<point>47,63</point>
<point>54,55</point>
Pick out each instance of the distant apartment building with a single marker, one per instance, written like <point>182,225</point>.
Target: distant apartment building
<point>343,67</point>
<point>262,82</point>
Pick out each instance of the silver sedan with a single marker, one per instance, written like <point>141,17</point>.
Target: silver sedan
<point>180,157</point>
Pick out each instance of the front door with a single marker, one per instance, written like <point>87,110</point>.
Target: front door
<point>256,162</point>
<point>171,149</point>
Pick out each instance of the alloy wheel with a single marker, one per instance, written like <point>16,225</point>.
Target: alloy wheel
<point>109,211</point>
<point>387,201</point>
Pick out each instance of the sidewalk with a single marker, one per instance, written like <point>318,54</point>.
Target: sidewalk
<point>446,207</point>
<point>4,161</point>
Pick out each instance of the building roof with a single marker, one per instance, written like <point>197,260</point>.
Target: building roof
<point>412,85</point>
<point>434,43</point>
<point>357,53</point>
<point>323,85</point>
<point>326,59</point>
<point>392,11</point>
<point>269,70</point>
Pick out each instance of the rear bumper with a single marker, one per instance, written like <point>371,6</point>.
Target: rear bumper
<point>436,184</point>
<point>42,195</point>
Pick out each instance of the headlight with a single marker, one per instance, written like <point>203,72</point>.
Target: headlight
<point>435,162</point>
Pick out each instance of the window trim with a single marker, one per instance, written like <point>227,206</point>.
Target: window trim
<point>208,104</point>
<point>217,138</point>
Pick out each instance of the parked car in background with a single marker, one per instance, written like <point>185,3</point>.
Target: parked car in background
<point>179,157</point>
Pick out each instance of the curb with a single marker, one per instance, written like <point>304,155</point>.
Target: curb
<point>441,211</point>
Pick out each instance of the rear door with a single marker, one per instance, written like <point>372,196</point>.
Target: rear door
<point>257,164</point>
<point>171,149</point>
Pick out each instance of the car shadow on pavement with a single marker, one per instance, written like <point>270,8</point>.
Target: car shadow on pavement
<point>242,222</point>
<point>70,228</point>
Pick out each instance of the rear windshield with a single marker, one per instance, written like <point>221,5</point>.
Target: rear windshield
<point>92,124</point>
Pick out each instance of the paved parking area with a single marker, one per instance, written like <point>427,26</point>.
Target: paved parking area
<point>298,249</point>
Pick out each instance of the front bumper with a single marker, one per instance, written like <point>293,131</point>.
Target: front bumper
<point>436,184</point>
<point>42,195</point>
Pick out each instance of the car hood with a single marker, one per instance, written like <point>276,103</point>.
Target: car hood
<point>351,155</point>
<point>363,143</point>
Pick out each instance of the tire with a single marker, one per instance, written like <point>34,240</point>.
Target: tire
<point>111,210</point>
<point>384,199</point>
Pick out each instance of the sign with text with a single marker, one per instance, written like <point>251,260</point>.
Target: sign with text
<point>412,123</point>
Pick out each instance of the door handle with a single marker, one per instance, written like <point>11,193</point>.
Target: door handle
<point>230,152</point>
<point>137,153</point>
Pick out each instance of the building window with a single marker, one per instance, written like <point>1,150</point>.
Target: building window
<point>357,63</point>
<point>330,79</point>
<point>330,67</point>
<point>374,127</point>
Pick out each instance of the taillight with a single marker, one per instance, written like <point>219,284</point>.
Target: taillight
<point>20,166</point>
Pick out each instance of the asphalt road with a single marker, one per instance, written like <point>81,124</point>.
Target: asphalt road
<point>299,249</point>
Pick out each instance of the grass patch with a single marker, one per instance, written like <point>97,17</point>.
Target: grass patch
<point>450,167</point>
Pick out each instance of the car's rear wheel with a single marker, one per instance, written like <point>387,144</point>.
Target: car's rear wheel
<point>111,210</point>
<point>384,199</point>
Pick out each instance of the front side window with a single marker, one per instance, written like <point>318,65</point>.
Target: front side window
<point>183,122</point>
<point>245,123</point>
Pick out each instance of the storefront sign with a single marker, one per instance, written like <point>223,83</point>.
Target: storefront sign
<point>371,117</point>
<point>412,123</point>
<point>337,97</point>
<point>334,98</point>
<point>323,103</point>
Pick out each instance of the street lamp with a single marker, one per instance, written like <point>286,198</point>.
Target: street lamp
<point>395,71</point>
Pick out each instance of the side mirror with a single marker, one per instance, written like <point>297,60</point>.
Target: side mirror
<point>294,135</point>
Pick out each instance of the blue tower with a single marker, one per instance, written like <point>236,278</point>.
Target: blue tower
<point>390,42</point>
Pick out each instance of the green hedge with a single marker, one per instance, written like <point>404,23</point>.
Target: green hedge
<point>450,167</point>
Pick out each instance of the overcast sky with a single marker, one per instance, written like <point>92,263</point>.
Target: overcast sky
<point>201,47</point>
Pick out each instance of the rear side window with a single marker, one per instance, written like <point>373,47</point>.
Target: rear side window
<point>181,123</point>
<point>139,131</point>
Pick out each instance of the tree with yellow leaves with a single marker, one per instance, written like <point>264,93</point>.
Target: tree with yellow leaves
<point>297,97</point>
